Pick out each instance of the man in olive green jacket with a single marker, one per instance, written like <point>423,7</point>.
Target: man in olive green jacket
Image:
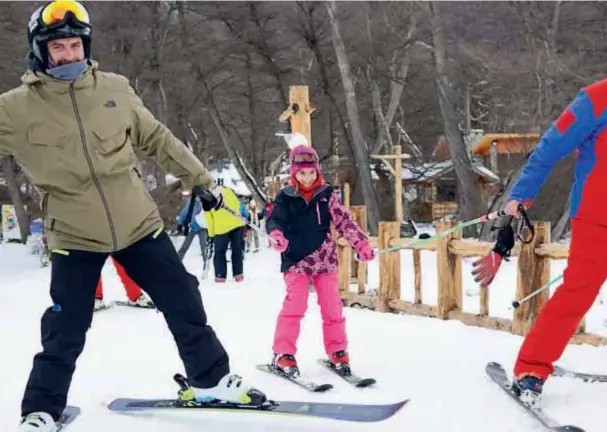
<point>74,129</point>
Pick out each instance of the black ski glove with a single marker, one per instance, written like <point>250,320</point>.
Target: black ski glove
<point>208,200</point>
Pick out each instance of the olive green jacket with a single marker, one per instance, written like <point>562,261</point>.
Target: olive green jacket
<point>75,141</point>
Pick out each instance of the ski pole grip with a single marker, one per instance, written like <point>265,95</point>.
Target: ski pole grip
<point>516,304</point>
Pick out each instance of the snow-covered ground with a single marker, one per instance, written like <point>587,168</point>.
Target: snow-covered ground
<point>439,365</point>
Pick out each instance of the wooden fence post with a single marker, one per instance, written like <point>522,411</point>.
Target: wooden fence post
<point>344,256</point>
<point>389,267</point>
<point>346,195</point>
<point>359,269</point>
<point>533,272</point>
<point>417,275</point>
<point>449,269</point>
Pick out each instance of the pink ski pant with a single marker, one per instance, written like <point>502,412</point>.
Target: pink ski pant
<point>295,306</point>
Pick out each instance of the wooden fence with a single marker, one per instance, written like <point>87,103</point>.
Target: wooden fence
<point>533,271</point>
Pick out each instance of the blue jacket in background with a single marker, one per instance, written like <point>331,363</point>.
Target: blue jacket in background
<point>244,212</point>
<point>194,227</point>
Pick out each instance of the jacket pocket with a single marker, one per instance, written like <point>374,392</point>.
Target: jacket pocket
<point>45,136</point>
<point>111,137</point>
<point>44,153</point>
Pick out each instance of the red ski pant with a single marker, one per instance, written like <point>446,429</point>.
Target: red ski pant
<point>132,289</point>
<point>560,317</point>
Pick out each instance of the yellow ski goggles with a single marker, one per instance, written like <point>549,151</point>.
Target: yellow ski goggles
<point>57,12</point>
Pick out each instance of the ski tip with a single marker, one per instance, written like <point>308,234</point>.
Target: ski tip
<point>396,407</point>
<point>119,404</point>
<point>494,365</point>
<point>365,382</point>
<point>263,367</point>
<point>322,388</point>
<point>568,429</point>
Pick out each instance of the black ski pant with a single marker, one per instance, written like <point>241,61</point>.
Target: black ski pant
<point>154,265</point>
<point>235,238</point>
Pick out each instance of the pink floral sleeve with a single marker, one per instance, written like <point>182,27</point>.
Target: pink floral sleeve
<point>344,222</point>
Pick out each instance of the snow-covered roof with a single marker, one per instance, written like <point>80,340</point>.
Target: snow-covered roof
<point>425,171</point>
<point>429,171</point>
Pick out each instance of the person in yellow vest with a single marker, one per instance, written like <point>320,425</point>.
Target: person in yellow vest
<point>227,230</point>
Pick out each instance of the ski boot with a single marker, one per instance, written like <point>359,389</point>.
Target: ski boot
<point>528,388</point>
<point>340,361</point>
<point>229,389</point>
<point>142,301</point>
<point>286,364</point>
<point>38,422</point>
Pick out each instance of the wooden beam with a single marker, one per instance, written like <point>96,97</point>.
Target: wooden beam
<point>398,185</point>
<point>300,118</point>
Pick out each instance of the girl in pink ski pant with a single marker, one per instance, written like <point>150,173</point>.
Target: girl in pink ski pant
<point>299,227</point>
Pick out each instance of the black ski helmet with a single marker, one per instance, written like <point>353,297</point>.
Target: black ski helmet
<point>56,20</point>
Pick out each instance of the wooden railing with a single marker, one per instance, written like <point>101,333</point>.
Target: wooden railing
<point>533,271</point>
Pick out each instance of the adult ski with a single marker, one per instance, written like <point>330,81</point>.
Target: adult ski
<point>497,373</point>
<point>68,416</point>
<point>308,385</point>
<point>336,411</point>
<point>586,377</point>
<point>349,377</point>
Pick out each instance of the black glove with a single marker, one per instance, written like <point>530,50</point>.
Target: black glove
<point>208,200</point>
<point>505,241</point>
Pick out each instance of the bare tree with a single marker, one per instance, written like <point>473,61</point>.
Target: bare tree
<point>470,205</point>
<point>358,140</point>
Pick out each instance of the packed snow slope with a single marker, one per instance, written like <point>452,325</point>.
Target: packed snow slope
<point>439,365</point>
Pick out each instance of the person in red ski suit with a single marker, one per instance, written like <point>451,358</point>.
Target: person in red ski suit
<point>300,228</point>
<point>582,129</point>
<point>133,292</point>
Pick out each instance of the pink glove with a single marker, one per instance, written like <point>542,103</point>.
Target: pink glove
<point>364,251</point>
<point>278,241</point>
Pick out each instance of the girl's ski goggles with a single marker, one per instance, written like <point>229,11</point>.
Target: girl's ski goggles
<point>304,158</point>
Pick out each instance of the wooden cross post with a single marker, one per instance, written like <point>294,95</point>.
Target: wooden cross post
<point>298,114</point>
<point>396,172</point>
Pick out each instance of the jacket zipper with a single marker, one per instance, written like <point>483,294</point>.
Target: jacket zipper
<point>90,163</point>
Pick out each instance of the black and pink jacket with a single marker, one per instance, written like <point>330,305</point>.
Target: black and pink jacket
<point>307,227</point>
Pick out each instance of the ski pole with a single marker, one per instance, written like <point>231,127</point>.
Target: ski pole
<point>481,219</point>
<point>516,303</point>
<point>458,227</point>
<point>188,218</point>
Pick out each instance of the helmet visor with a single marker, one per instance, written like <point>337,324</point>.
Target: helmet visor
<point>57,12</point>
